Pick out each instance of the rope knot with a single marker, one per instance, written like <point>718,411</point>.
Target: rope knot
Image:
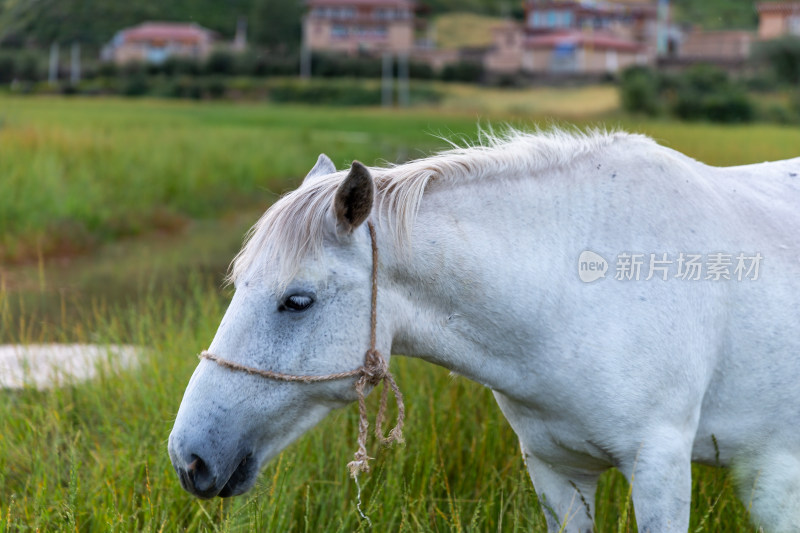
<point>375,367</point>
<point>374,372</point>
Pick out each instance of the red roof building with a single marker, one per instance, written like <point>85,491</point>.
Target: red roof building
<point>580,37</point>
<point>776,19</point>
<point>154,42</point>
<point>353,26</point>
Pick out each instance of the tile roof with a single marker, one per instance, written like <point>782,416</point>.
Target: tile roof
<point>178,31</point>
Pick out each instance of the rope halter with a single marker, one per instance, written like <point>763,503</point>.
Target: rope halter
<point>373,372</point>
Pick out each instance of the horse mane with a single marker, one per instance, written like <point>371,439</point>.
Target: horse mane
<point>292,229</point>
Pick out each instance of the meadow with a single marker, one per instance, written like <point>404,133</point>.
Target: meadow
<point>81,175</point>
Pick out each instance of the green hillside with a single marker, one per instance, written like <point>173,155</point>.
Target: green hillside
<point>94,22</point>
<point>716,14</point>
<point>459,29</point>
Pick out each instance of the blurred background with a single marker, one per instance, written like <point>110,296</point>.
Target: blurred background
<point>140,140</point>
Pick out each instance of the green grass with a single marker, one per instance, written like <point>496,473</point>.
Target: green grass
<point>77,173</point>
<point>92,457</point>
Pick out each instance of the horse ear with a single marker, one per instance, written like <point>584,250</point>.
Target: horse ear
<point>354,197</point>
<point>323,167</point>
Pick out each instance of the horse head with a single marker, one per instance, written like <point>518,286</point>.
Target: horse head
<point>298,309</point>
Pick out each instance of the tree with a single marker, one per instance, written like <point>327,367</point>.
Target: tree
<point>94,22</point>
<point>783,56</point>
<point>716,14</point>
<point>276,24</point>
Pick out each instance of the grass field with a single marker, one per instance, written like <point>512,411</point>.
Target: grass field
<point>92,457</point>
<point>77,173</point>
<point>567,103</point>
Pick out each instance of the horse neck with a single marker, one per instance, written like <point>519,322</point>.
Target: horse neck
<point>464,298</point>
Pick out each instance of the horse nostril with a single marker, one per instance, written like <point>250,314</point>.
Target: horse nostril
<point>200,476</point>
<point>195,464</point>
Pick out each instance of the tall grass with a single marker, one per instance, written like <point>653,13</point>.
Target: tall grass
<point>76,173</point>
<point>92,456</point>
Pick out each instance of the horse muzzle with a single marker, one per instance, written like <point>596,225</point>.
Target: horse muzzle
<point>203,478</point>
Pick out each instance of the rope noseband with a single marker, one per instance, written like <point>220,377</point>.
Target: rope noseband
<point>374,371</point>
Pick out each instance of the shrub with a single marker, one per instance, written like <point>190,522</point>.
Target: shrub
<point>639,91</point>
<point>28,67</point>
<point>266,64</point>
<point>729,105</point>
<point>132,68</point>
<point>97,86</point>
<point>193,90</point>
<point>136,85</point>
<point>325,93</point>
<point>179,66</point>
<point>466,71</point>
<point>20,65</point>
<point>794,103</point>
<point>182,87</point>
<point>68,89</point>
<point>245,63</point>
<point>420,71</point>
<point>780,114</point>
<point>341,92</point>
<point>668,82</point>
<point>7,68</point>
<point>783,57</point>
<point>221,62</point>
<point>705,78</point>
<point>42,87</point>
<point>763,82</point>
<point>25,87</point>
<point>152,69</point>
<point>701,93</point>
<point>107,69</point>
<point>365,67</point>
<point>216,87</point>
<point>335,65</point>
<point>687,105</point>
<point>424,95</point>
<point>707,93</point>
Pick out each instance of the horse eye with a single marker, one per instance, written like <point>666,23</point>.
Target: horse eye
<point>297,302</point>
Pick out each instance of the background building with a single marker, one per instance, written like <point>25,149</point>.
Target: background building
<point>724,48</point>
<point>354,26</point>
<point>154,42</point>
<point>776,19</point>
<point>576,37</point>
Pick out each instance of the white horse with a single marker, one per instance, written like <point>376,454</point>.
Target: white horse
<point>479,272</point>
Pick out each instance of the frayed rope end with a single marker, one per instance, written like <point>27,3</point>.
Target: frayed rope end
<point>359,464</point>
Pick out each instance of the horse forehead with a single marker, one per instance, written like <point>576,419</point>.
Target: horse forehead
<point>335,258</point>
<point>313,269</point>
<point>264,276</point>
